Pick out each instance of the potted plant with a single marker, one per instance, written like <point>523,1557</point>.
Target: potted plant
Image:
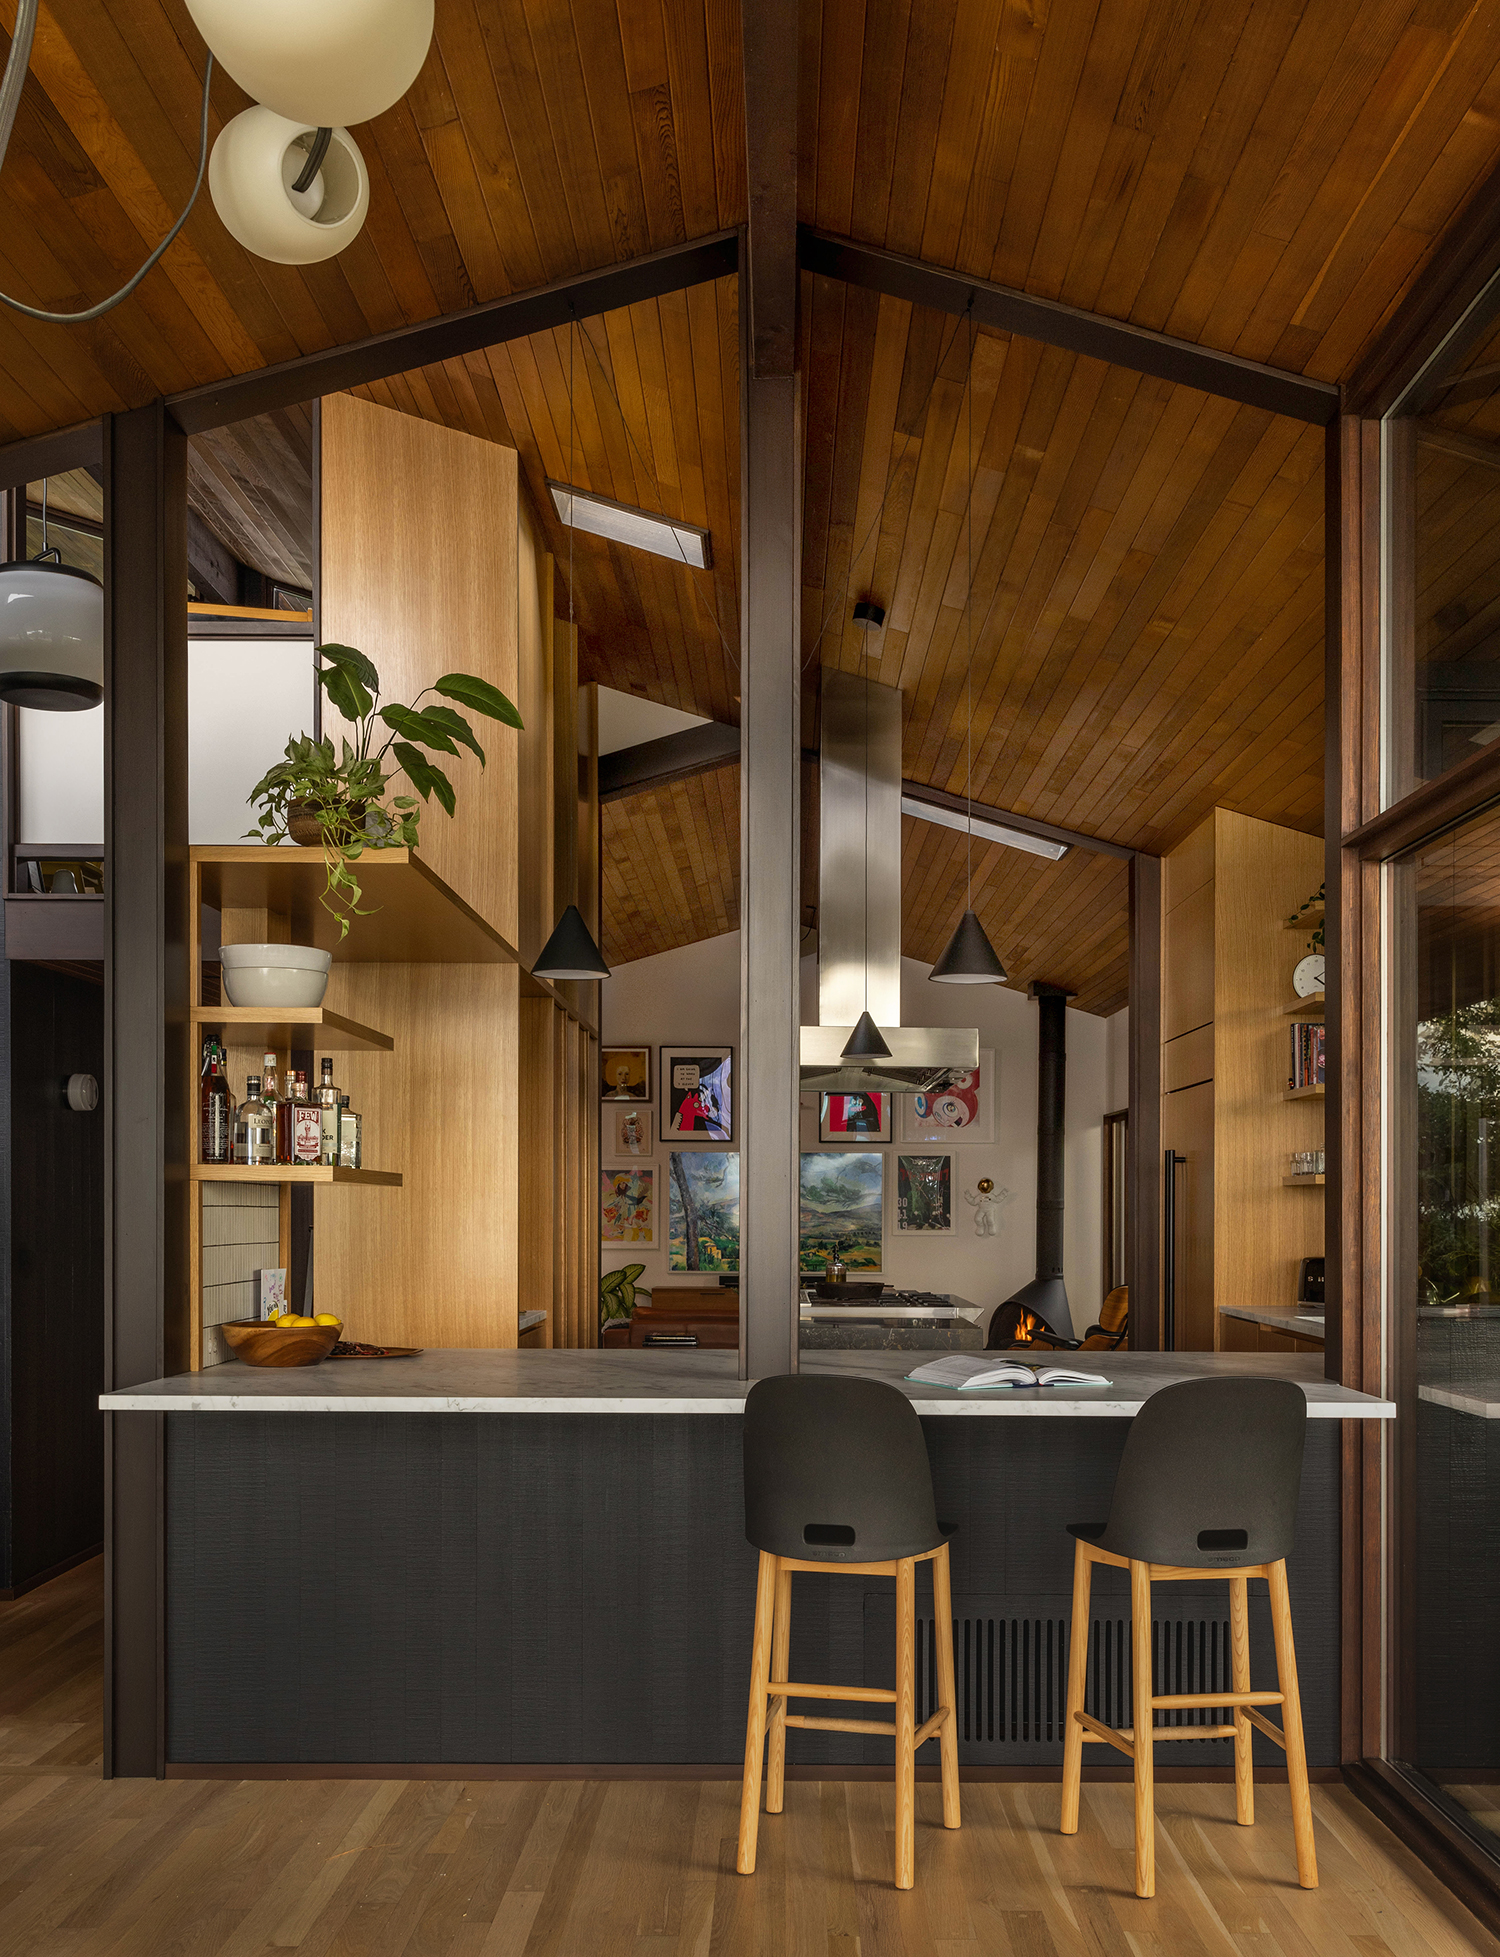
<point>338,798</point>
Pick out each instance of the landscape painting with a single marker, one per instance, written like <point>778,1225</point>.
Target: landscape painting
<point>703,1213</point>
<point>842,1210</point>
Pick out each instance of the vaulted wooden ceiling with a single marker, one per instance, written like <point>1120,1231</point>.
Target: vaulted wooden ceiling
<point>1261,178</point>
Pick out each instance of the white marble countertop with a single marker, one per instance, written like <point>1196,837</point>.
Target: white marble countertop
<point>678,1381</point>
<point>1281,1318</point>
<point>1481,1399</point>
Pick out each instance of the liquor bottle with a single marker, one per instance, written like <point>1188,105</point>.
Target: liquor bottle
<point>218,1111</point>
<point>254,1128</point>
<point>286,1112</point>
<point>351,1151</point>
<point>272,1098</point>
<point>307,1128</point>
<point>328,1116</point>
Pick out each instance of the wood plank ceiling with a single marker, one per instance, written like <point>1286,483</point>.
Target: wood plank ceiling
<point>1259,176</point>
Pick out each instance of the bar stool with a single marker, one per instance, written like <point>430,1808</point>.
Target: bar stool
<point>837,1478</point>
<point>1207,1486</point>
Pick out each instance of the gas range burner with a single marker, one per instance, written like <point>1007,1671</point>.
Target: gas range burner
<point>928,1300</point>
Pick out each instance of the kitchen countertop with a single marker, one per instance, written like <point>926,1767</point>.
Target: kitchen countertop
<point>1296,1319</point>
<point>681,1382</point>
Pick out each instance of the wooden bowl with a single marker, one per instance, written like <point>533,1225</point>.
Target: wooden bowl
<point>260,1344</point>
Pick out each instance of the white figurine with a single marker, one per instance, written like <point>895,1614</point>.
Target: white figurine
<point>984,1204</point>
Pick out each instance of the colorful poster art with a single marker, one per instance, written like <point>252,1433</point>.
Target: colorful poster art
<point>627,1206</point>
<point>855,1118</point>
<point>961,1112</point>
<point>843,1210</point>
<point>625,1073</point>
<point>697,1095</point>
<point>703,1215</point>
<point>628,1133</point>
<point>924,1193</point>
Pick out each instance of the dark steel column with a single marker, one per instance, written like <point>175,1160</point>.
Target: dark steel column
<point>146,996</point>
<point>1143,1188</point>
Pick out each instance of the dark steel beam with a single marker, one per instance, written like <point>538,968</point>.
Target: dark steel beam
<point>939,798</point>
<point>1143,1174</point>
<point>146,996</point>
<point>453,334</point>
<point>675,757</point>
<point>1056,325</point>
<point>36,457</point>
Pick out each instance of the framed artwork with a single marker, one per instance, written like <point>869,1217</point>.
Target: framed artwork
<point>843,1209</point>
<point>854,1117</point>
<point>703,1213</point>
<point>625,1073</point>
<point>924,1193</point>
<point>627,1133</point>
<point>697,1094</point>
<point>627,1206</point>
<point>964,1112</point>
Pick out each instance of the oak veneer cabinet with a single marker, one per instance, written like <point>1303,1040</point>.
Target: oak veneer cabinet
<point>1227,961</point>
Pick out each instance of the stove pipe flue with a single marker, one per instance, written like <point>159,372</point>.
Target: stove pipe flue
<point>1046,1294</point>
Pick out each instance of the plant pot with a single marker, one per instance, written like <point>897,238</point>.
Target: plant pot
<point>275,976</point>
<point>303,826</point>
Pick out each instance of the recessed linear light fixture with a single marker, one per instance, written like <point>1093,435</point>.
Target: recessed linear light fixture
<point>642,529</point>
<point>992,832</point>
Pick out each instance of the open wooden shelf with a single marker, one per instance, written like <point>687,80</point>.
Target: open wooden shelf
<point>1304,1093</point>
<point>413,917</point>
<point>314,1028</point>
<point>314,1172</point>
<point>1303,1182</point>
<point>1309,1008</point>
<point>1306,921</point>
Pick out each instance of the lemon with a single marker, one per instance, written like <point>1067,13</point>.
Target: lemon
<point>327,1318</point>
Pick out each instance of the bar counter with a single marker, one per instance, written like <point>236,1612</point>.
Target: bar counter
<point>554,1572</point>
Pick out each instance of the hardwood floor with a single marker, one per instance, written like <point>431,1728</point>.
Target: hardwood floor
<point>577,1868</point>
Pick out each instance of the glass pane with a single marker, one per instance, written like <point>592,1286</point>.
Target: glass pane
<point>1447,1323</point>
<point>1443,644</point>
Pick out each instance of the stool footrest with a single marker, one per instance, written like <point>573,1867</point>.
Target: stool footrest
<point>1124,1736</point>
<point>930,1728</point>
<point>1175,1701</point>
<point>842,1725</point>
<point>860,1694</point>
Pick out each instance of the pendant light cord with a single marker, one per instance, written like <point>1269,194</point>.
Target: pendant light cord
<point>10,100</point>
<point>969,600</point>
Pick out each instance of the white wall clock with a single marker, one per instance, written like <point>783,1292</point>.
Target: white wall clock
<point>1308,976</point>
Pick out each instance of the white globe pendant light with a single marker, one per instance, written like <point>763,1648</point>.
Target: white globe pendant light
<point>321,62</point>
<point>51,636</point>
<point>252,177</point>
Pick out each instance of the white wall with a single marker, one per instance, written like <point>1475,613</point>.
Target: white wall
<point>245,698</point>
<point>693,994</point>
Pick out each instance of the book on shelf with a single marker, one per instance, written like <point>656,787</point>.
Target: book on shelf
<point>964,1375</point>
<point>1309,1051</point>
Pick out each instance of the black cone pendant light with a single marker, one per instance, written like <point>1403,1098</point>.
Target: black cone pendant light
<point>866,1042</point>
<point>570,953</point>
<point>970,958</point>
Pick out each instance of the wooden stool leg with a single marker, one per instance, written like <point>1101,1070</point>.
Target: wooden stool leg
<point>906,1722</point>
<point>1291,1725</point>
<point>1145,1773</point>
<point>1244,1732</point>
<point>942,1632</point>
<point>781,1648</point>
<point>755,1724</point>
<point>1078,1661</point>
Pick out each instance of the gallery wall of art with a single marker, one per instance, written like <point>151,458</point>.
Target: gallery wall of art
<point>688,1002</point>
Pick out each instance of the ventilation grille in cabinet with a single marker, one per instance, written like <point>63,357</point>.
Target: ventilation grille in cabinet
<point>1012,1674</point>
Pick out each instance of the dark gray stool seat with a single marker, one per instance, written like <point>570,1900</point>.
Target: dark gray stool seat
<point>1207,1486</point>
<point>837,1478</point>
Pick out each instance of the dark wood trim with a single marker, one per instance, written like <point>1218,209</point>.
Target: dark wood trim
<point>1441,301</point>
<point>1115,340</point>
<point>15,1590</point>
<point>1271,1776</point>
<point>146,995</point>
<point>675,757</point>
<point>52,454</point>
<point>451,335</point>
<point>1436,1841</point>
<point>1430,810</point>
<point>939,798</point>
<point>1143,1191</point>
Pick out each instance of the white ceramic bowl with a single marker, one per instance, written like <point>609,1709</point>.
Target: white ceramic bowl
<point>275,975</point>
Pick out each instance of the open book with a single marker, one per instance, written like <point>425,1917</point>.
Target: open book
<point>958,1370</point>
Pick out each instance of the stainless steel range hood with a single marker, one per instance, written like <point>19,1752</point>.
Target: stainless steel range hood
<point>859,906</point>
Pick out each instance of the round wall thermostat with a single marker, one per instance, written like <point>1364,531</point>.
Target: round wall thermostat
<point>82,1093</point>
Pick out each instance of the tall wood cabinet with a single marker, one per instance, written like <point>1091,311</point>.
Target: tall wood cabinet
<point>1241,1227</point>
